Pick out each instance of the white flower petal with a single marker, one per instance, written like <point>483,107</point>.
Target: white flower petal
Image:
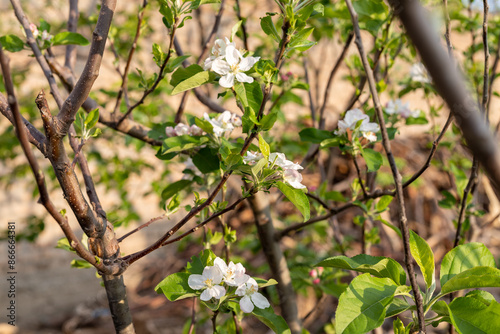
<point>205,295</point>
<point>242,77</point>
<point>196,282</point>
<point>259,300</point>
<point>213,273</point>
<point>221,66</point>
<point>227,80</point>
<point>233,56</point>
<point>246,304</point>
<point>218,292</point>
<point>221,264</point>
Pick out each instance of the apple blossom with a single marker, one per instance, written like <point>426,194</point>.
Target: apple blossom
<point>195,130</point>
<point>233,274</point>
<point>351,119</point>
<point>208,281</point>
<point>223,123</point>
<point>419,73</point>
<point>34,30</point>
<point>251,297</point>
<point>218,51</point>
<point>252,157</point>
<point>293,178</point>
<point>397,107</point>
<point>182,129</point>
<point>233,66</point>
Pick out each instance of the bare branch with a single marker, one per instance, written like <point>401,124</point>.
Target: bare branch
<point>70,58</point>
<point>395,173</point>
<point>91,70</point>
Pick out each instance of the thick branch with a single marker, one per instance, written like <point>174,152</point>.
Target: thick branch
<point>91,71</point>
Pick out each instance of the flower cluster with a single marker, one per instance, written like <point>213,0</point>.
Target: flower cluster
<point>419,73</point>
<point>183,129</point>
<point>45,36</point>
<point>350,121</point>
<point>213,279</point>
<point>229,63</point>
<point>225,122</point>
<point>289,169</point>
<point>315,274</point>
<point>397,107</point>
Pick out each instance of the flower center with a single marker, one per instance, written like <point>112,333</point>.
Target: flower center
<point>209,282</point>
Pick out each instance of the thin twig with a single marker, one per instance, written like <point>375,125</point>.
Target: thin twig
<point>123,87</point>
<point>447,27</point>
<point>215,28</point>
<point>149,222</point>
<point>70,57</point>
<point>396,175</point>
<point>159,78</point>
<point>243,25</point>
<point>358,172</point>
<point>326,95</point>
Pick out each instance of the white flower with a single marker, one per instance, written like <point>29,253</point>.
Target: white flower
<point>221,123</point>
<point>233,66</point>
<point>398,107</point>
<point>182,129</point>
<point>371,136</point>
<point>218,51</point>
<point>280,160</point>
<point>34,30</point>
<point>195,130</point>
<point>294,178</point>
<point>233,274</point>
<point>209,281</point>
<point>236,120</point>
<point>46,36</point>
<point>414,114</point>
<point>251,297</point>
<point>351,118</point>
<point>419,73</point>
<point>170,131</point>
<point>252,157</point>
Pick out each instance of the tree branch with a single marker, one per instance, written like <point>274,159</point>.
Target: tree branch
<point>395,173</point>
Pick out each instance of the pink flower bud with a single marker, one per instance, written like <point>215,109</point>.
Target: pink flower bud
<point>313,273</point>
<point>320,270</point>
<point>316,281</point>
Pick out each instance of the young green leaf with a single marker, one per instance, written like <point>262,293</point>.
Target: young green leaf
<point>206,160</point>
<point>477,277</point>
<point>268,27</point>
<point>181,143</point>
<point>194,81</point>
<point>264,146</point>
<point>384,202</point>
<point>424,257</point>
<point>267,316</point>
<point>297,197</point>
<point>465,257</point>
<point>175,287</point>
<point>376,265</point>
<point>362,306</point>
<point>373,159</point>
<point>250,95</point>
<point>314,135</point>
<point>472,315</point>
<point>69,38</point>
<point>12,43</point>
<point>92,119</point>
<point>174,188</point>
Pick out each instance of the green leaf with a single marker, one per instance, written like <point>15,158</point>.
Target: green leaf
<point>158,55</point>
<point>174,188</point>
<point>198,263</point>
<point>182,74</point>
<point>314,135</point>
<point>77,263</point>
<point>175,287</point>
<point>396,307</point>
<point>268,121</point>
<point>373,159</point>
<point>12,43</point>
<point>92,119</point>
<point>477,277</point>
<point>69,38</point>
<point>470,315</point>
<point>384,202</point>
<point>182,143</point>
<point>191,82</point>
<point>297,197</point>
<point>250,95</point>
<point>465,257</point>
<point>264,147</point>
<point>362,306</point>
<point>63,243</point>
<point>268,27</point>
<point>263,283</point>
<point>379,266</point>
<point>235,29</point>
<point>175,62</point>
<point>267,316</point>
<point>206,161</point>
<point>424,257</point>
